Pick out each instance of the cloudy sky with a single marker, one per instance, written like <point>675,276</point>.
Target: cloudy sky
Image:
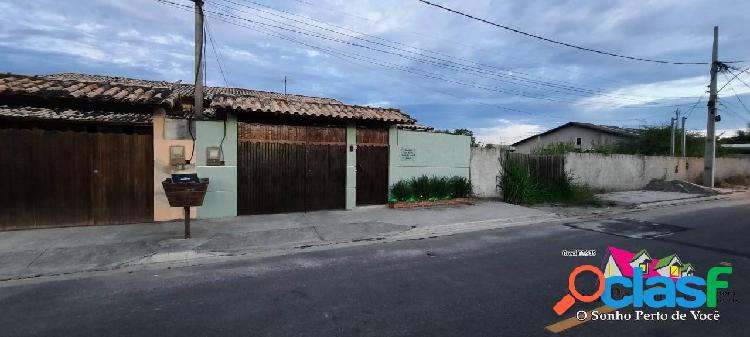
<point>443,69</point>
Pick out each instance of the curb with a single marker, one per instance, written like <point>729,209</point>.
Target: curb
<point>192,258</point>
<point>685,201</point>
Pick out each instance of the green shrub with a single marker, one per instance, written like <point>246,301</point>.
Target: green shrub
<point>438,187</point>
<point>566,191</point>
<point>421,187</point>
<point>517,184</point>
<point>459,187</point>
<point>401,191</point>
<point>430,188</point>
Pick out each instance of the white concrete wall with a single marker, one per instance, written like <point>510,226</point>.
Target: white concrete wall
<point>485,168</point>
<point>631,172</point>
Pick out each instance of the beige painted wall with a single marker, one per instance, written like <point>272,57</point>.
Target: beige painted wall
<point>162,170</point>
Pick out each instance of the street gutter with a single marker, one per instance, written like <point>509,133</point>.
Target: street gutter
<point>193,258</point>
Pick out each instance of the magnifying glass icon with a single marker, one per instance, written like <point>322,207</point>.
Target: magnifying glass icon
<point>569,299</point>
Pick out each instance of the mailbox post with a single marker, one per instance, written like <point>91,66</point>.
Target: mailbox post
<point>185,194</point>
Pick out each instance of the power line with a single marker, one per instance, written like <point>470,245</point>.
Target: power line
<point>477,65</point>
<point>232,19</point>
<point>735,76</point>
<point>435,61</point>
<point>440,63</point>
<point>690,111</point>
<point>558,42</point>
<point>734,114</point>
<point>737,96</point>
<point>216,54</point>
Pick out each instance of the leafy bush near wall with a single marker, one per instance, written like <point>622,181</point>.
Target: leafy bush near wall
<point>516,183</point>
<point>401,190</point>
<point>519,186</point>
<point>656,141</point>
<point>460,186</point>
<point>430,188</point>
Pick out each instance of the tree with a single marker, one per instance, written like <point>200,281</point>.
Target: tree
<point>655,141</point>
<point>742,137</point>
<point>461,132</point>
<point>466,132</point>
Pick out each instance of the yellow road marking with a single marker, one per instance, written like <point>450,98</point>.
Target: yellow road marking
<point>573,321</point>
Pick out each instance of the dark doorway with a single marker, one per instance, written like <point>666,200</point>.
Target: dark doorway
<point>372,166</point>
<point>287,168</point>
<point>71,177</point>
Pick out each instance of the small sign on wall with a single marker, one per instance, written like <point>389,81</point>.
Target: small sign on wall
<point>408,153</point>
<point>177,129</point>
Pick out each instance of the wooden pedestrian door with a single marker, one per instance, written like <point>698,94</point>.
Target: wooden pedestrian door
<point>372,166</point>
<point>60,177</point>
<point>286,168</point>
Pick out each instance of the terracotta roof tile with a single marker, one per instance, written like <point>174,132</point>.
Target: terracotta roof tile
<point>94,90</point>
<point>146,92</point>
<point>27,112</point>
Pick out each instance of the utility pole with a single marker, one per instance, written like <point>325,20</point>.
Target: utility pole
<point>672,131</point>
<point>708,159</point>
<point>684,137</point>
<point>198,94</point>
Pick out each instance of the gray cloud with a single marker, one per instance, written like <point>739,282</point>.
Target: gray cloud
<point>144,38</point>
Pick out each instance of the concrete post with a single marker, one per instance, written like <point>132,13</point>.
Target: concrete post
<point>351,166</point>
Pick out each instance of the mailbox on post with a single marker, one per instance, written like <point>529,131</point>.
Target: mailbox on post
<point>185,190</point>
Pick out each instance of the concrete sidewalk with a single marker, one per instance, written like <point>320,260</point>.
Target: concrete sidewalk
<point>644,198</point>
<point>45,252</point>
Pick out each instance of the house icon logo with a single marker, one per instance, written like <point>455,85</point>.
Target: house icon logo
<point>636,279</point>
<point>620,262</point>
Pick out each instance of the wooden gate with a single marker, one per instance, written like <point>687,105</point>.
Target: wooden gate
<point>55,178</point>
<point>284,168</point>
<point>372,166</point>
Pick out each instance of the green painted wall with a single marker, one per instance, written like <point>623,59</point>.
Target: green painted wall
<point>414,153</point>
<point>221,198</point>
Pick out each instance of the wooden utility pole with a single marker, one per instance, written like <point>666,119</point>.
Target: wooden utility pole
<point>198,94</point>
<point>710,155</point>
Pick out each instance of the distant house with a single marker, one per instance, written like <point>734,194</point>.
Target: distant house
<point>738,149</point>
<point>584,136</point>
<point>620,262</point>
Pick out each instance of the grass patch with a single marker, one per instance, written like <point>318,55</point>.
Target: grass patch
<point>520,186</point>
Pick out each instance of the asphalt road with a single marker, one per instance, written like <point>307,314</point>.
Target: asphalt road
<point>491,283</point>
